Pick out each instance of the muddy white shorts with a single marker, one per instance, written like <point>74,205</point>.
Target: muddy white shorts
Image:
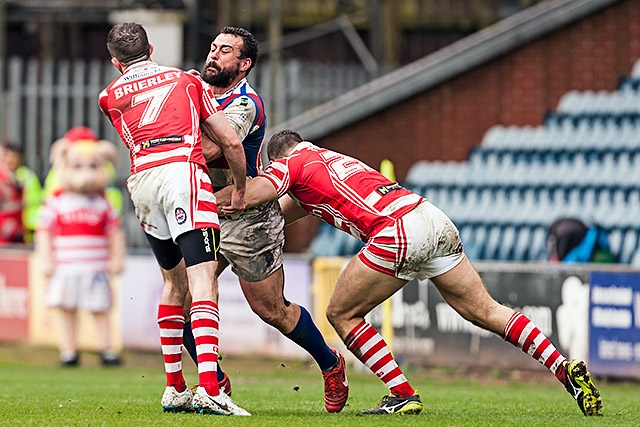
<point>423,243</point>
<point>79,290</point>
<point>253,242</point>
<point>172,199</point>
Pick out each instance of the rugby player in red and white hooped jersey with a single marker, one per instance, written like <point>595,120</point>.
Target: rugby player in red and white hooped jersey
<point>158,112</point>
<point>405,237</point>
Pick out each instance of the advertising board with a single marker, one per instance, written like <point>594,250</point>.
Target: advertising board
<point>614,318</point>
<point>428,332</point>
<point>14,296</point>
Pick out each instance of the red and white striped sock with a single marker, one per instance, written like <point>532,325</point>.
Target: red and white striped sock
<point>171,323</point>
<point>371,349</point>
<point>204,324</point>
<point>522,333</point>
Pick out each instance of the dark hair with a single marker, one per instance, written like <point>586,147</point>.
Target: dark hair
<point>128,43</point>
<point>281,142</point>
<point>249,47</point>
<point>12,146</point>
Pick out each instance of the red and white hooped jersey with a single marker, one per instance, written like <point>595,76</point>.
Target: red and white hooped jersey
<point>157,112</point>
<point>341,190</point>
<point>80,228</point>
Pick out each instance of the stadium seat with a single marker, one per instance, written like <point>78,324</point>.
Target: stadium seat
<point>507,244</point>
<point>522,244</point>
<point>583,162</point>
<point>629,246</point>
<point>538,250</point>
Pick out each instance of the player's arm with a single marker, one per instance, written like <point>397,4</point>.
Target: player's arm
<point>217,127</point>
<point>291,210</point>
<point>240,114</point>
<point>103,104</point>
<point>259,190</point>
<point>210,149</point>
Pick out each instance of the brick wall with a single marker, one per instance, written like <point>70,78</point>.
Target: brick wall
<point>515,89</point>
<point>518,88</point>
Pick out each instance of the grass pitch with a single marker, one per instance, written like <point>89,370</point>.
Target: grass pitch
<point>36,392</point>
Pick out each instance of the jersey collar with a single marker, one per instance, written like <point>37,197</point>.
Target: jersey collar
<point>233,89</point>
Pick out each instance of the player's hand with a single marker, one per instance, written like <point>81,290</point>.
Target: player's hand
<point>194,72</point>
<point>223,196</point>
<point>237,203</point>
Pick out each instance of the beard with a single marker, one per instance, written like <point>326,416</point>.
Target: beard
<point>223,78</point>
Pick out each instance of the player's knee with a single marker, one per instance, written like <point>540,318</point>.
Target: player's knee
<point>272,312</point>
<point>267,300</point>
<point>333,315</point>
<point>269,312</point>
<point>269,318</point>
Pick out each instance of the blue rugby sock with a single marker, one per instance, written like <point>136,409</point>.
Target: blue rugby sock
<point>307,336</point>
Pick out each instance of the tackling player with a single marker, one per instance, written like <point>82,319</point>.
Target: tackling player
<point>158,112</point>
<point>405,237</point>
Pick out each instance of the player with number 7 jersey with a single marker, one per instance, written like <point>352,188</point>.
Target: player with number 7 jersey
<point>159,112</point>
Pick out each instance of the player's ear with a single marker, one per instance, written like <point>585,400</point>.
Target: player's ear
<point>116,64</point>
<point>150,49</point>
<point>245,64</point>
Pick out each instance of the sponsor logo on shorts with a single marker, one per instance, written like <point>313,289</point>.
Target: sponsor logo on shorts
<point>181,216</point>
<point>206,240</point>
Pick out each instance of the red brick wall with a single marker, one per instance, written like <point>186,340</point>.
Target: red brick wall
<point>445,122</point>
<point>515,89</point>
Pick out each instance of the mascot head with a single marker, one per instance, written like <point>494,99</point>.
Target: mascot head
<point>83,161</point>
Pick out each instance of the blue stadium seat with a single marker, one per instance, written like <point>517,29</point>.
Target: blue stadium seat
<point>583,162</point>
<point>629,245</point>
<point>522,244</point>
<point>537,249</point>
<point>615,240</point>
<point>507,243</point>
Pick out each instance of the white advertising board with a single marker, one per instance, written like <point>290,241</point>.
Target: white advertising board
<point>241,331</point>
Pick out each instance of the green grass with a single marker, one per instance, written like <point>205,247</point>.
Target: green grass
<point>36,392</point>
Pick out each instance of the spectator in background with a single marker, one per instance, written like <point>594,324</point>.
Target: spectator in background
<point>570,240</point>
<point>81,133</point>
<point>10,208</point>
<point>27,185</point>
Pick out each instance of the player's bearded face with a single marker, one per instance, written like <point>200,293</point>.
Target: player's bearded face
<point>218,76</point>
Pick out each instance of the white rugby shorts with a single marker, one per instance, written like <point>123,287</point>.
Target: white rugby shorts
<point>423,243</point>
<point>172,199</point>
<point>79,290</point>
